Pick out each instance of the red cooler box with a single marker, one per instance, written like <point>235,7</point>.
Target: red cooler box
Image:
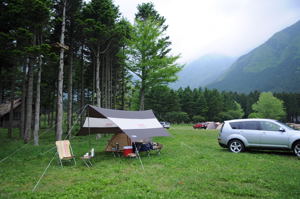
<point>127,150</point>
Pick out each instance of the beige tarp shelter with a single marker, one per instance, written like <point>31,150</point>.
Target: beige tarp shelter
<point>128,126</point>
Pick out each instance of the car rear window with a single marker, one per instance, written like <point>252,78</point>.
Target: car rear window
<point>251,125</point>
<point>236,125</point>
<point>247,125</point>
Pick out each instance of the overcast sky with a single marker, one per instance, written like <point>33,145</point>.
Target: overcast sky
<point>230,27</point>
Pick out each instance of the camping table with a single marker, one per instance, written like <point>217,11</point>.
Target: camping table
<point>87,160</point>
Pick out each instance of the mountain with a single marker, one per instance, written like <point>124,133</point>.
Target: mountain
<point>273,66</point>
<point>203,71</point>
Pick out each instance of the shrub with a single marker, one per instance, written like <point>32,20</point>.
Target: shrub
<point>268,106</point>
<point>198,118</point>
<point>177,117</point>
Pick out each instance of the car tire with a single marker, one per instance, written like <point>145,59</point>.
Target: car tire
<point>296,149</point>
<point>236,146</point>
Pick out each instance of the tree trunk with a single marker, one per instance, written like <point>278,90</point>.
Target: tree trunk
<point>108,97</point>
<point>70,89</point>
<point>113,87</point>
<point>59,108</point>
<point>12,99</point>
<point>94,83</point>
<point>123,84</point>
<point>1,86</point>
<point>52,113</point>
<point>142,96</point>
<point>82,84</point>
<point>37,104</point>
<point>11,115</point>
<point>142,91</point>
<point>27,133</point>
<point>23,105</point>
<point>110,82</point>
<point>106,81</point>
<point>98,94</point>
<point>102,88</point>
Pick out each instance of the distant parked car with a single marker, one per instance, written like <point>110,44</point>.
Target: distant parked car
<point>165,124</point>
<point>201,125</point>
<point>237,135</point>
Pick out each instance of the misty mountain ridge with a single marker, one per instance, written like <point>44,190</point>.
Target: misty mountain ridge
<point>273,66</point>
<point>202,71</point>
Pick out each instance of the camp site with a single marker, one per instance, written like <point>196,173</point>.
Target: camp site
<point>190,164</point>
<point>149,99</point>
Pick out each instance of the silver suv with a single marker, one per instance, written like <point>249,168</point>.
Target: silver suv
<point>236,135</point>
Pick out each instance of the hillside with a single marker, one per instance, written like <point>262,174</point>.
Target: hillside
<point>203,71</point>
<point>273,66</point>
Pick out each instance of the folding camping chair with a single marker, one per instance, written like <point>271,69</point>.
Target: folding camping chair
<point>157,147</point>
<point>65,151</point>
<point>87,158</point>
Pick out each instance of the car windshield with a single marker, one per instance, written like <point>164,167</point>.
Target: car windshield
<point>286,126</point>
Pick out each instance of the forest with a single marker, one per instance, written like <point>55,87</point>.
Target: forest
<point>57,56</point>
<point>187,105</point>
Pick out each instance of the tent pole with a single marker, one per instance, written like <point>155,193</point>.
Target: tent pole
<point>138,154</point>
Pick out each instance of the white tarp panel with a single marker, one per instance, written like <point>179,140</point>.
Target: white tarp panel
<point>92,122</point>
<point>136,123</point>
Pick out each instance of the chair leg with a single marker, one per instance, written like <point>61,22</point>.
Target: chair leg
<point>90,163</point>
<point>158,152</point>
<point>74,161</point>
<point>86,163</point>
<point>60,163</point>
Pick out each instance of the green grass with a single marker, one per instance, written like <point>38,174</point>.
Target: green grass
<point>191,165</point>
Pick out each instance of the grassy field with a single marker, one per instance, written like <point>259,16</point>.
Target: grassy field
<point>191,165</point>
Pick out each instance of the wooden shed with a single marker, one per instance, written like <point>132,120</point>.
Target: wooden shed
<point>4,114</point>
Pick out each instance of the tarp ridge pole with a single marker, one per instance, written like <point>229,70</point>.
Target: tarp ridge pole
<point>69,132</point>
<point>138,154</point>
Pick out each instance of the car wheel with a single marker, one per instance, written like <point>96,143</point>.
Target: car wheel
<point>297,149</point>
<point>236,146</point>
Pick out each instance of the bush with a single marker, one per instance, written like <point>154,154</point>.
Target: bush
<point>255,115</point>
<point>198,118</point>
<point>177,117</point>
<point>268,106</point>
<point>225,116</point>
<point>229,115</point>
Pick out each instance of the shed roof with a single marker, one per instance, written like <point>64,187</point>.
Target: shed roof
<point>5,107</point>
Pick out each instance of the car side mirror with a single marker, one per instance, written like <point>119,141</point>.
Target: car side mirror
<point>281,129</point>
